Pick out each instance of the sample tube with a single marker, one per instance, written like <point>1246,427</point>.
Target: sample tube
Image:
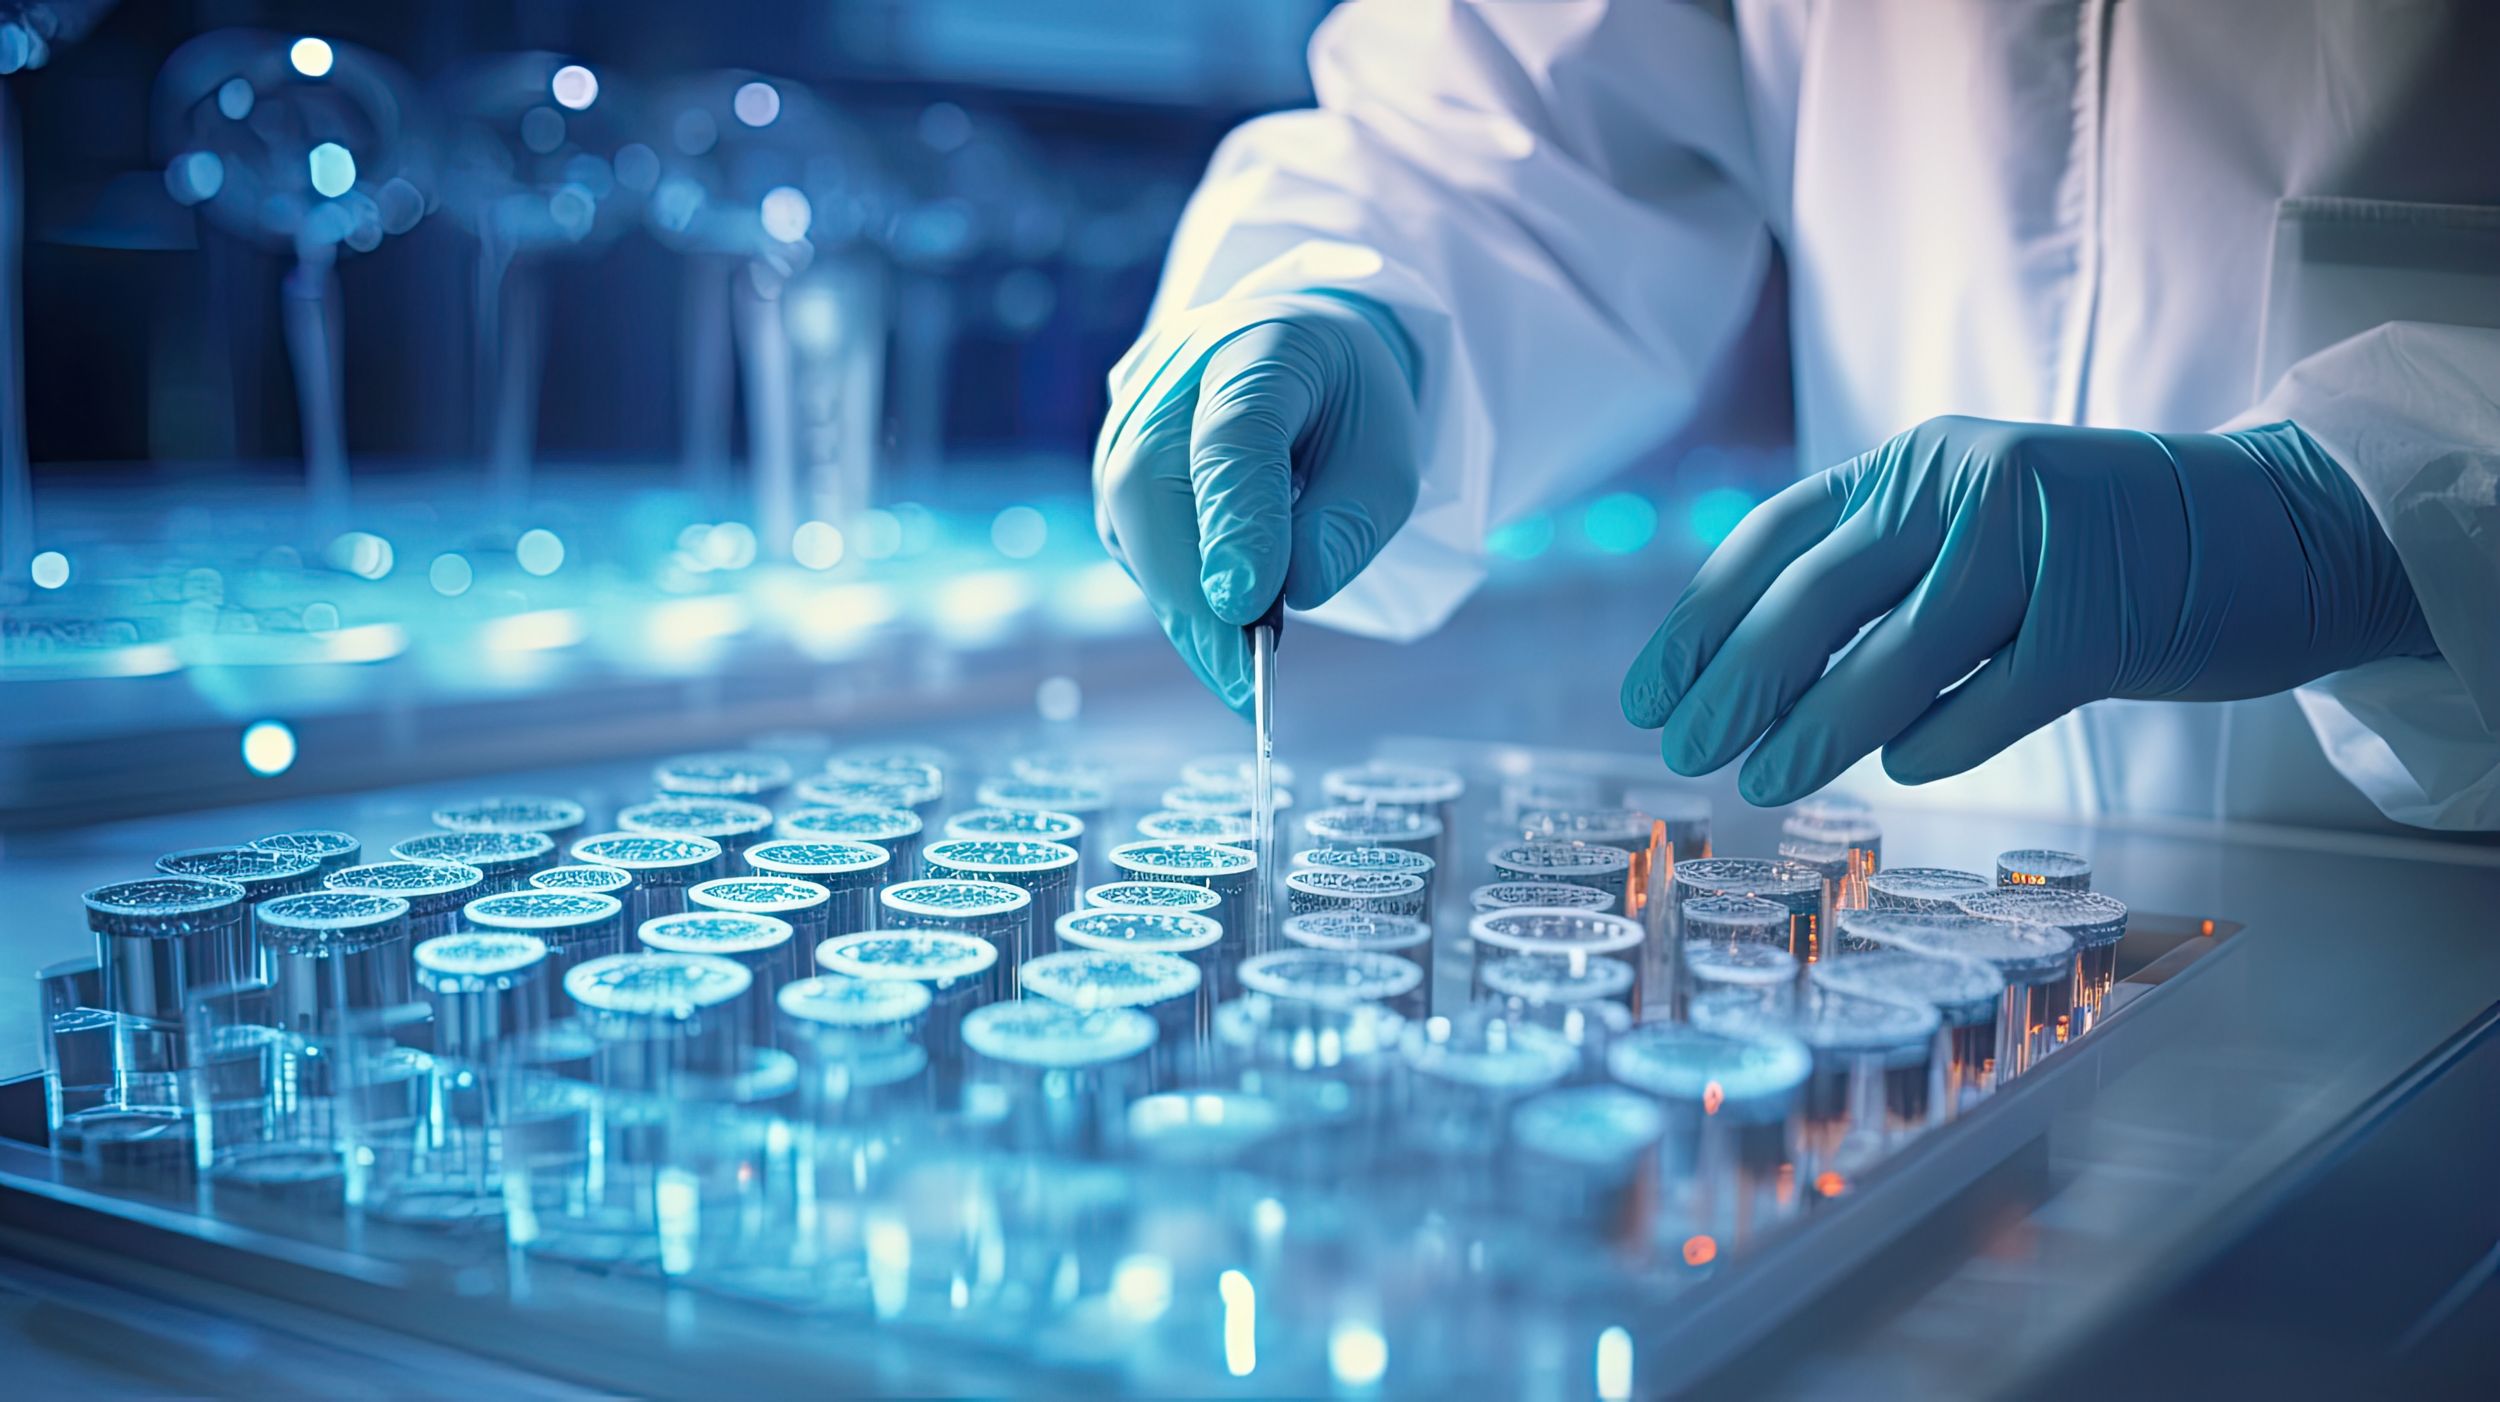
<point>850,872</point>
<point>1162,986</point>
<point>77,1040</point>
<point>1524,984</point>
<point>1046,871</point>
<point>157,940</point>
<point>2037,961</point>
<point>1727,1161</point>
<point>1562,895</point>
<point>764,946</point>
<point>1799,890</point>
<point>266,1115</point>
<point>1395,860</point>
<point>1420,788</point>
<point>1052,1079</point>
<point>1334,1069</point>
<point>558,819</point>
<point>1686,817</point>
<point>804,904</point>
<point>858,794</point>
<point>854,1038</point>
<point>1197,1130</point>
<point>1830,862</point>
<point>2042,866</point>
<point>897,830</point>
<point>1021,824</point>
<point>1935,890</point>
<point>575,926</point>
<point>1465,1073</point>
<point>1227,871</point>
<point>489,994</point>
<point>1370,932</point>
<point>733,824</point>
<point>1122,930</point>
<point>1765,973</point>
<point>1380,892</point>
<point>1966,993</point>
<point>1606,869</point>
<point>1178,896</point>
<point>1557,931</point>
<point>918,768</point>
<point>1171,825</point>
<point>505,860</point>
<point>1332,976</point>
<point>588,880</point>
<point>434,891</point>
<point>957,969</point>
<point>660,1015</point>
<point>748,776</point>
<point>1875,1080</point>
<point>331,954</point>
<point>1630,831</point>
<point>1236,798</point>
<point>1403,828</point>
<point>2097,923</point>
<point>1580,1157</point>
<point>488,990</point>
<point>662,868</point>
<point>1858,836</point>
<point>329,849</point>
<point>994,912</point>
<point>1088,803</point>
<point>264,875</point>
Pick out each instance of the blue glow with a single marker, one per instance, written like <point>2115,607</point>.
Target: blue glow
<point>575,87</point>
<point>268,747</point>
<point>235,98</point>
<point>311,57</point>
<point>194,176</point>
<point>1620,523</point>
<point>1614,1364</point>
<point>1019,532</point>
<point>817,545</point>
<point>50,569</point>
<point>1715,513</point>
<point>1523,539</point>
<point>757,104</point>
<point>539,551</point>
<point>450,575</point>
<point>1241,1323</point>
<point>333,169</point>
<point>786,214</point>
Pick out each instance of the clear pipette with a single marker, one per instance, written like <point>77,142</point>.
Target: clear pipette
<point>1263,637</point>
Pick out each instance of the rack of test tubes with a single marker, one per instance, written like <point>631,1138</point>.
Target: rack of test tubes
<point>1004,1062</point>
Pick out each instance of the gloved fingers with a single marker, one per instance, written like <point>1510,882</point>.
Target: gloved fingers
<point>1966,608</point>
<point>1150,521</point>
<point>1255,397</point>
<point>1362,481</point>
<point>1767,541</point>
<point>2013,694</point>
<point>1785,641</point>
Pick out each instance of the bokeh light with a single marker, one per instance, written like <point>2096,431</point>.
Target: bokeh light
<point>539,551</point>
<point>450,575</point>
<point>268,747</point>
<point>312,57</point>
<point>756,104</point>
<point>333,169</point>
<point>542,130</point>
<point>1019,532</point>
<point>50,569</point>
<point>818,545</point>
<point>235,99</point>
<point>1059,699</point>
<point>1714,514</point>
<point>1620,522</point>
<point>1524,539</point>
<point>361,553</point>
<point>786,214</point>
<point>574,87</point>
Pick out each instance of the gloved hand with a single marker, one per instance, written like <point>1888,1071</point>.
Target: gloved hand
<point>2065,564</point>
<point>1271,448</point>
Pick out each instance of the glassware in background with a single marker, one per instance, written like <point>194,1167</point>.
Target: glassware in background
<point>850,873</point>
<point>997,914</point>
<point>559,820</point>
<point>747,776</point>
<point>576,926</point>
<point>329,849</point>
<point>1087,801</point>
<point>1966,993</point>
<point>2095,922</point>
<point>77,1041</point>
<point>896,830</point>
<point>1606,869</point>
<point>507,860</point>
<point>434,891</point>
<point>1630,831</point>
<point>1727,1161</point>
<point>958,970</point>
<point>2046,867</point>
<point>662,868</point>
<point>1560,895</point>
<point>734,824</point>
<point>1934,890</point>
<point>1162,986</point>
<point>1364,932</point>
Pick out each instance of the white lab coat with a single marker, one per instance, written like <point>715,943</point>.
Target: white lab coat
<point>2172,215</point>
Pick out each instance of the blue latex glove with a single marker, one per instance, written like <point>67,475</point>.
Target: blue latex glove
<point>2065,564</point>
<point>1271,450</point>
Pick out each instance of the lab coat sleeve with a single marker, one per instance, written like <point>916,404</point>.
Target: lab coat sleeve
<point>2412,412</point>
<point>1554,201</point>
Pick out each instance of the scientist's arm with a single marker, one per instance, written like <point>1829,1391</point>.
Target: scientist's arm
<point>2347,530</point>
<point>1495,260</point>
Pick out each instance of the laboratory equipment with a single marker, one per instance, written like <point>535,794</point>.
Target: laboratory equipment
<point>850,1035</point>
<point>1044,1077</point>
<point>1382,892</point>
<point>1421,788</point>
<point>1798,890</point>
<point>329,849</point>
<point>489,990</point>
<point>1508,895</point>
<point>659,1013</point>
<point>877,792</point>
<point>1151,895</point>
<point>262,1104</point>
<point>804,904</point>
<point>762,945</point>
<point>1853,830</point>
<point>1045,871</point>
<point>1628,830</point>
<point>2095,922</point>
<point>1325,975</point>
<point>1396,860</point>
<point>1465,1073</point>
<point>1023,824</point>
<point>1332,1067</point>
<point>1365,931</point>
<point>1232,770</point>
<point>1229,872</point>
<point>1581,1156</point>
<point>2042,866</point>
<point>662,868</point>
<point>1169,825</point>
<point>589,880</point>
<point>1236,798</point>
<point>1608,869</point>
<point>560,819</point>
<point>505,860</point>
<point>897,830</point>
<point>434,891</point>
<point>159,940</point>
<point>264,875</point>
<point>1727,1162</point>
<point>849,872</point>
<point>1403,828</point>
<point>734,824</point>
<point>2039,963</point>
<point>749,776</point>
<point>1683,813</point>
<point>958,970</point>
<point>865,1092</point>
<point>1084,800</point>
<point>920,775</point>
<point>77,1037</point>
<point>1765,972</point>
<point>1559,931</point>
<point>1165,987</point>
<point>1156,930</point>
<point>1936,890</point>
<point>1966,993</point>
<point>1875,1080</point>
<point>994,912</point>
<point>333,954</point>
<point>1536,986</point>
<point>575,925</point>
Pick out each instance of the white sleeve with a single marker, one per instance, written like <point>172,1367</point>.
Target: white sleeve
<point>2412,412</point>
<point>1552,196</point>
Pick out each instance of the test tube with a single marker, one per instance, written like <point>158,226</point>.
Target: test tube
<point>1875,1080</point>
<point>434,891</point>
<point>1555,930</point>
<point>1606,869</point>
<point>1581,1157</point>
<point>1421,788</point>
<point>1227,871</point>
<point>1830,862</point>
<point>994,912</point>
<point>1734,941</point>
<point>1360,931</point>
<point>850,872</point>
<point>77,1040</point>
<point>266,1120</point>
<point>2097,924</point>
<point>1935,890</point>
<point>1582,998</point>
<point>2042,866</point>
<point>488,989</point>
<point>804,904</point>
<point>334,953</point>
<point>1686,817</point>
<point>1024,824</point>
<point>1230,770</point>
<point>1403,828</point>
<point>1162,986</point>
<point>1333,1069</point>
<point>1396,860</point>
<point>1236,798</point>
<point>1060,767</point>
<point>1178,933</point>
<point>660,1015</point>
<point>1046,871</point>
<point>1171,825</point>
<point>1197,1130</point>
<point>574,925</point>
<point>1089,803</point>
<point>1465,1075</point>
<point>1798,890</point>
<point>662,868</point>
<point>1727,1159</point>
<point>2038,962</point>
<point>329,849</point>
<point>1333,976</point>
<point>263,874</point>
<point>1630,831</point>
<point>1178,896</point>
<point>855,1042</point>
<point>897,830</point>
<point>746,775</point>
<point>505,860</point>
<point>1854,831</point>
<point>764,946</point>
<point>875,794</point>
<point>735,825</point>
<point>559,819</point>
<point>920,767</point>
<point>588,880</point>
<point>1966,993</point>
<point>1053,1079</point>
<point>1564,895</point>
<point>157,939</point>
<point>957,969</point>
<point>1380,892</point>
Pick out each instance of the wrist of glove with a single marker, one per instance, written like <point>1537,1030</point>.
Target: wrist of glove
<point>2012,572</point>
